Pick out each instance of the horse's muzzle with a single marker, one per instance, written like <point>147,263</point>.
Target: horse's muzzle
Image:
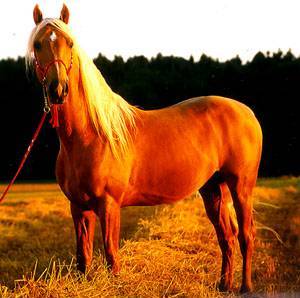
<point>57,92</point>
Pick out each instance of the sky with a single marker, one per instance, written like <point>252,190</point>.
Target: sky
<point>221,29</point>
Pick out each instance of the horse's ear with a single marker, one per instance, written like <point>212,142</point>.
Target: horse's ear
<point>64,14</point>
<point>37,15</point>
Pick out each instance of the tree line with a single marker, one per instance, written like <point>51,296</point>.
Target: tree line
<point>269,84</point>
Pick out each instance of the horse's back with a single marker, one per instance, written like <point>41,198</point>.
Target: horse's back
<point>216,104</point>
<point>225,120</point>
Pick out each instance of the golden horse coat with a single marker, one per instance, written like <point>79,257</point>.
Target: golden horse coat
<point>113,154</point>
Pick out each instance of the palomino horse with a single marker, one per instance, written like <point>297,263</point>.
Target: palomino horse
<point>114,155</point>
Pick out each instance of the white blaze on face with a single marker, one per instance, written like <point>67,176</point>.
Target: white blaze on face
<point>53,36</point>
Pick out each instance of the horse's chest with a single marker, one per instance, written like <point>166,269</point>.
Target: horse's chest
<point>79,178</point>
<point>88,177</point>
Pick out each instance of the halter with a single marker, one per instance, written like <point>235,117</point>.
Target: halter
<point>43,71</point>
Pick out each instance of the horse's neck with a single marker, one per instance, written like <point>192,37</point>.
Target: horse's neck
<point>74,122</point>
<point>78,126</point>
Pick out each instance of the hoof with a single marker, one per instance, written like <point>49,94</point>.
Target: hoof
<point>115,270</point>
<point>246,289</point>
<point>83,268</point>
<point>222,287</point>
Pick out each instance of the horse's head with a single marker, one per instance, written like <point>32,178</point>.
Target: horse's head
<point>52,50</point>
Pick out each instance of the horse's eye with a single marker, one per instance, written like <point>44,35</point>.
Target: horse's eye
<point>70,43</point>
<point>37,45</point>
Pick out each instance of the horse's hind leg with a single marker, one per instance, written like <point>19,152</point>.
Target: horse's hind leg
<point>218,205</point>
<point>241,189</point>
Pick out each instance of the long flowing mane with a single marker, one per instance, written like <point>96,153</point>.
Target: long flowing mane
<point>110,114</point>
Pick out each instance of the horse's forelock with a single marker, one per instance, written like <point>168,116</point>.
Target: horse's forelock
<point>57,24</point>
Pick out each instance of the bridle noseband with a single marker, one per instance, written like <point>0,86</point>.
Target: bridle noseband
<point>43,71</point>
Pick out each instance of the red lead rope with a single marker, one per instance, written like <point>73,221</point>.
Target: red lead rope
<point>35,136</point>
<point>54,116</point>
<point>53,108</point>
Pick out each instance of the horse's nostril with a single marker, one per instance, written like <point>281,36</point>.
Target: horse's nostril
<point>53,85</point>
<point>53,89</point>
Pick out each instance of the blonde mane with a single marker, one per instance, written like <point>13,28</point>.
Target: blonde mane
<point>109,113</point>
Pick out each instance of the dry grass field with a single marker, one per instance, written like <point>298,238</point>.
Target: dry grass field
<point>166,251</point>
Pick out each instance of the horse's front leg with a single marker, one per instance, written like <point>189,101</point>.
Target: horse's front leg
<point>109,213</point>
<point>84,222</point>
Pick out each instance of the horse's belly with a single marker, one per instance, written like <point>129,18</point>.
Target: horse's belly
<point>150,199</point>
<point>165,186</point>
